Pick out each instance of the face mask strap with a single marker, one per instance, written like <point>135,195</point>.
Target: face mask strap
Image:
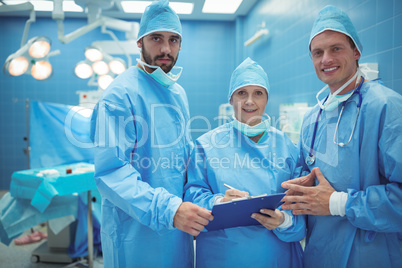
<point>175,76</point>
<point>143,64</point>
<point>331,96</point>
<point>266,122</point>
<point>160,75</point>
<point>252,131</point>
<point>321,103</point>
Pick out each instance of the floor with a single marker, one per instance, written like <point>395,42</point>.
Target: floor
<point>19,256</point>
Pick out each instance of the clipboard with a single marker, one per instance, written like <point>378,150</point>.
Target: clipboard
<point>238,212</point>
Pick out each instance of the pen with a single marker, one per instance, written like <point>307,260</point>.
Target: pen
<point>228,186</point>
<point>240,197</point>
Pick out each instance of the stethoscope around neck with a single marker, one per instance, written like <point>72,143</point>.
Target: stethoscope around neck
<point>310,159</point>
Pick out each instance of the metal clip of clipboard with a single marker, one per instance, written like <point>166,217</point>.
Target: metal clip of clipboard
<point>247,197</point>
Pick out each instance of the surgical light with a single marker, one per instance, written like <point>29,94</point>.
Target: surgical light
<point>221,6</point>
<point>139,6</point>
<point>41,70</point>
<point>93,54</point>
<point>100,67</point>
<point>117,66</point>
<point>182,8</point>
<point>104,81</point>
<point>46,5</point>
<point>40,48</point>
<point>38,5</point>
<point>83,70</point>
<point>31,58</point>
<point>18,66</point>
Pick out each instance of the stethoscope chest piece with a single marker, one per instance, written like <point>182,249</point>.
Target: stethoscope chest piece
<point>310,160</point>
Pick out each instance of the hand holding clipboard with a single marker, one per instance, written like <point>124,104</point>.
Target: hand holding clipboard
<point>238,211</point>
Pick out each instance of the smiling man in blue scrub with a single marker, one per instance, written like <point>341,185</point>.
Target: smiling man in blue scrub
<point>141,150</point>
<point>351,147</point>
<point>255,158</point>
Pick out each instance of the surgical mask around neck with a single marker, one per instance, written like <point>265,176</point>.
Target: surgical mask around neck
<point>252,131</point>
<point>165,79</point>
<point>332,102</point>
<point>338,99</point>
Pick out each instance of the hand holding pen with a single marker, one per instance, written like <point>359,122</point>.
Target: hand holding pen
<point>233,193</point>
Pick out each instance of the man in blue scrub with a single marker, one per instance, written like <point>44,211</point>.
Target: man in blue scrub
<point>142,146</point>
<point>353,192</point>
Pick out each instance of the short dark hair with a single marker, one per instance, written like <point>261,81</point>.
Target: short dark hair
<point>353,46</point>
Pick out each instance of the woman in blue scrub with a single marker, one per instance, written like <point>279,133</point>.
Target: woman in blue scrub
<point>249,155</point>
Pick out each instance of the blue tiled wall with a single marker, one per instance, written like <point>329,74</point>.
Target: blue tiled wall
<point>206,57</point>
<point>284,52</point>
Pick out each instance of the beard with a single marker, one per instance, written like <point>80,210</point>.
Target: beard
<point>148,60</point>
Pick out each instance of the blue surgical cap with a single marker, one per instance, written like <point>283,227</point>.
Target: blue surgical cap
<point>248,73</point>
<point>159,17</point>
<point>334,19</point>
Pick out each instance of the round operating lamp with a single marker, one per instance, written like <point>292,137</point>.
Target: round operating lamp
<point>104,81</point>
<point>93,54</point>
<point>41,70</point>
<point>83,70</point>
<point>117,66</point>
<point>18,66</point>
<point>39,48</point>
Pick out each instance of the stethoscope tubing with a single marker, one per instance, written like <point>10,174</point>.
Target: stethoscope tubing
<point>311,158</point>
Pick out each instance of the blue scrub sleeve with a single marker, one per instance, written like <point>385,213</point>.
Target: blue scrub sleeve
<point>197,189</point>
<point>117,180</point>
<point>379,207</point>
<point>295,232</point>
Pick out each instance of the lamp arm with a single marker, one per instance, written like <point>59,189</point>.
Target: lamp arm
<point>22,7</point>
<point>92,81</point>
<point>77,33</point>
<point>58,16</point>
<point>130,28</point>
<point>129,62</point>
<point>53,53</point>
<point>32,18</point>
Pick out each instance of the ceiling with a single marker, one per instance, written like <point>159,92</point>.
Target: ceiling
<point>116,11</point>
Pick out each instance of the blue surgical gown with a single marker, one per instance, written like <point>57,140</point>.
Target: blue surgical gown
<point>369,169</point>
<point>225,155</point>
<point>141,151</point>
